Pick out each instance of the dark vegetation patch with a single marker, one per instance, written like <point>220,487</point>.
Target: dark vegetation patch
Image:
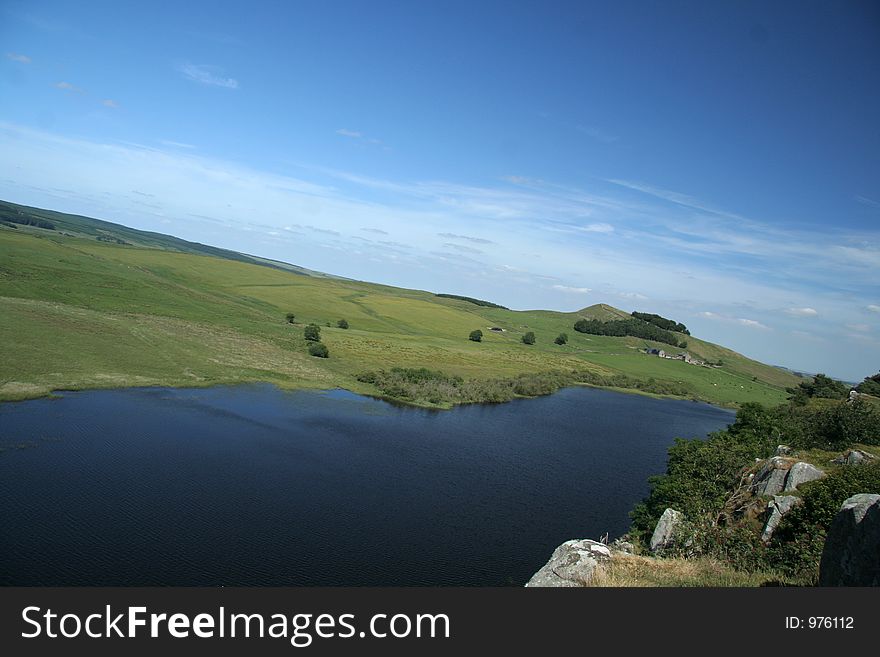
<point>476,302</point>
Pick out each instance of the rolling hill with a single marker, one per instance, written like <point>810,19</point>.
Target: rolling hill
<point>86,303</point>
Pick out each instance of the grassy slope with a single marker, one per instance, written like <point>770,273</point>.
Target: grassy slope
<point>80,313</point>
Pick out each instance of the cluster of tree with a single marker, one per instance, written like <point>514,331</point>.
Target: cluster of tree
<point>528,338</point>
<point>26,220</point>
<point>707,480</point>
<point>478,302</point>
<point>476,336</point>
<point>561,339</point>
<point>870,386</point>
<point>424,386</point>
<point>628,327</point>
<point>319,349</point>
<point>820,386</point>
<point>662,322</point>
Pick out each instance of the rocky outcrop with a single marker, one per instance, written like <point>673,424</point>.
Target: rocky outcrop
<point>783,450</point>
<point>780,474</point>
<point>851,556</point>
<point>770,478</point>
<point>572,564</point>
<point>801,473</point>
<point>664,532</point>
<point>853,457</point>
<point>778,507</point>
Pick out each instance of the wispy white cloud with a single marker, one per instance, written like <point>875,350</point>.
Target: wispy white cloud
<point>176,144</point>
<point>467,238</point>
<point>461,247</point>
<point>572,290</point>
<point>861,328</point>
<point>108,102</point>
<point>751,323</point>
<point>631,295</point>
<point>212,76</point>
<point>17,57</point>
<point>67,86</point>
<point>597,134</point>
<point>864,200</point>
<point>802,312</point>
<point>741,321</point>
<point>873,308</point>
<point>597,228</point>
<point>361,137</point>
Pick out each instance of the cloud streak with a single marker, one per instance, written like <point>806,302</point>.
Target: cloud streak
<point>210,76</point>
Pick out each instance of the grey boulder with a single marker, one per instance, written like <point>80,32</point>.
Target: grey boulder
<point>851,556</point>
<point>664,532</point>
<point>572,564</point>
<point>800,473</point>
<point>778,507</point>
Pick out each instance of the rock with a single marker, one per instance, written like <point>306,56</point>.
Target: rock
<point>770,478</point>
<point>851,556</point>
<point>572,564</point>
<point>801,473</point>
<point>665,530</point>
<point>622,546</point>
<point>783,450</point>
<point>853,457</point>
<point>778,507</point>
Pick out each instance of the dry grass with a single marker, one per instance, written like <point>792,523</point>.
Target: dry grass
<point>627,570</point>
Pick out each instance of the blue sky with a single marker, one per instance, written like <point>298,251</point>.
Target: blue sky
<point>718,163</point>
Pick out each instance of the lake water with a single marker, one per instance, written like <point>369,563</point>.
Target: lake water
<point>251,485</point>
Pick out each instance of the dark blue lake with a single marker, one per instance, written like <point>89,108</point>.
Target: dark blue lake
<point>251,485</point>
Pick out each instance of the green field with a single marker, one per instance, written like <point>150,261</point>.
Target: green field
<point>81,312</point>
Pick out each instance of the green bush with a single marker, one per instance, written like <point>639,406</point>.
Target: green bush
<point>797,543</point>
<point>561,339</point>
<point>528,338</point>
<point>476,336</point>
<point>312,332</point>
<point>342,323</point>
<point>290,317</point>
<point>319,349</point>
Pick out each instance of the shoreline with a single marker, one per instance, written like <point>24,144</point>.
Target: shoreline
<point>395,401</point>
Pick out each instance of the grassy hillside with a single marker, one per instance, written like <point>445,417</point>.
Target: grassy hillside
<point>79,312</point>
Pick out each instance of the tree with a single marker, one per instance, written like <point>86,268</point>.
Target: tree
<point>528,338</point>
<point>290,317</point>
<point>683,344</point>
<point>870,386</point>
<point>821,386</point>
<point>476,336</point>
<point>319,349</point>
<point>343,324</point>
<point>312,332</point>
<point>562,338</point>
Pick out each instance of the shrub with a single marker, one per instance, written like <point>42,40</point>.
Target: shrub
<point>290,317</point>
<point>342,323</point>
<point>797,543</point>
<point>528,338</point>
<point>319,349</point>
<point>312,332</point>
<point>476,336</point>
<point>562,338</point>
